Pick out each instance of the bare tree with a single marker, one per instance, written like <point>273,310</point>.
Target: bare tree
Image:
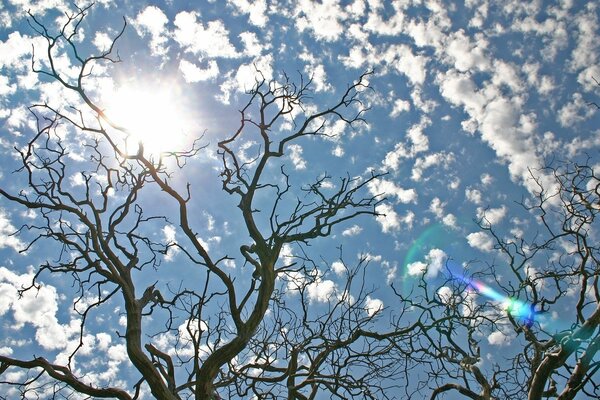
<point>234,336</point>
<point>542,296</point>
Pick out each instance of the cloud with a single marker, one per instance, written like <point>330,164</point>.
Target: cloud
<point>316,70</point>
<point>416,142</point>
<point>252,46</point>
<point>373,306</point>
<point>399,107</point>
<point>192,73</point>
<point>255,9</point>
<point>169,236</point>
<point>391,221</point>
<point>413,66</point>
<point>388,188</point>
<point>210,40</point>
<point>7,230</point>
<point>324,18</point>
<point>442,159</point>
<point>499,338</point>
<point>37,307</point>
<point>352,231</point>
<point>481,241</point>
<point>473,195</point>
<point>446,295</point>
<point>434,263</point>
<point>338,268</point>
<point>246,76</point>
<point>492,216</point>
<point>296,156</point>
<point>466,55</point>
<point>576,111</point>
<point>321,290</point>
<point>152,21</point>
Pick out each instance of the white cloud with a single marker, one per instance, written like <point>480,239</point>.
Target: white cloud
<point>577,110</point>
<point>499,338</point>
<point>492,216</point>
<point>399,107</point>
<point>246,77</point>
<point>390,220</point>
<point>192,73</point>
<point>322,18</point>
<point>411,65</point>
<point>449,220</point>
<point>473,195</point>
<point>446,295</point>
<point>252,46</point>
<point>373,306</point>
<point>437,207</point>
<point>586,51</point>
<point>102,41</point>
<point>37,307</point>
<point>151,20</point>
<point>442,159</point>
<point>169,236</point>
<point>338,268</point>
<point>434,263</point>
<point>296,156</point>
<point>464,54</point>
<point>7,230</point>
<point>321,290</point>
<point>352,231</point>
<point>499,120</point>
<point>388,188</point>
<point>211,40</point>
<point>256,10</point>
<point>481,241</point>
<point>338,151</point>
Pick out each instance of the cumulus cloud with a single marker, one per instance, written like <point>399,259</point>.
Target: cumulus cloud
<point>7,230</point>
<point>491,216</point>
<point>169,236</point>
<point>352,231</point>
<point>246,76</point>
<point>373,306</point>
<point>433,264</point>
<point>151,21</point>
<point>442,159</point>
<point>339,268</point>
<point>296,156</point>
<point>37,307</point>
<point>481,241</point>
<point>391,221</point>
<point>500,338</point>
<point>399,107</point>
<point>192,73</point>
<point>324,19</point>
<point>255,9</point>
<point>210,40</point>
<point>321,290</point>
<point>388,188</point>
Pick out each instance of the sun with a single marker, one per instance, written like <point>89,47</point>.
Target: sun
<point>151,115</point>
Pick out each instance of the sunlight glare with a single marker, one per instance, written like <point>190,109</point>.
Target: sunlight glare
<point>151,116</point>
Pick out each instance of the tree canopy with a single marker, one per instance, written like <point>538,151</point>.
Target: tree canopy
<point>148,257</point>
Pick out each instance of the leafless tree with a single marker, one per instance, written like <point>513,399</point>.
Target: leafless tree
<point>541,295</point>
<point>252,334</point>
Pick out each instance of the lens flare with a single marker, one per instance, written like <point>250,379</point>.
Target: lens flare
<point>522,311</point>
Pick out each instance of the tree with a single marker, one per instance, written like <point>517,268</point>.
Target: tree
<point>226,335</point>
<point>552,354</point>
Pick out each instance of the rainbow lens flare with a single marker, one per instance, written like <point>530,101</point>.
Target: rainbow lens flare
<point>522,311</point>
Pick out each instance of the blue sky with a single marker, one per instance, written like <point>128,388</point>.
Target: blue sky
<point>467,100</point>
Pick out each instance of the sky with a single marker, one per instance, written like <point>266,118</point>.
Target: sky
<point>468,100</point>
